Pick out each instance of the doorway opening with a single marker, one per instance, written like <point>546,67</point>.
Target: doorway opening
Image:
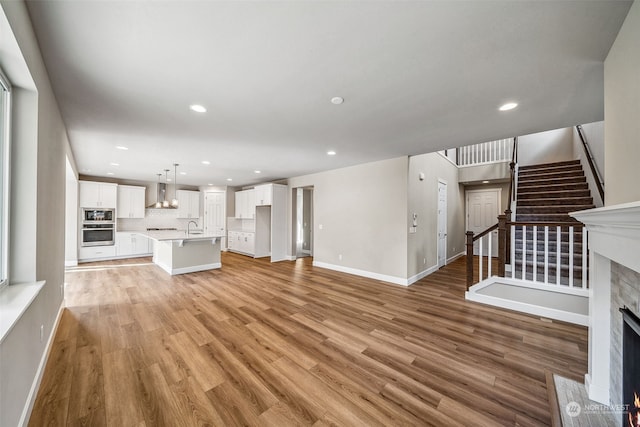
<point>442,223</point>
<point>303,210</point>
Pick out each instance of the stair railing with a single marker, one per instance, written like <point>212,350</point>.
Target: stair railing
<point>592,165</point>
<point>513,193</point>
<point>551,253</point>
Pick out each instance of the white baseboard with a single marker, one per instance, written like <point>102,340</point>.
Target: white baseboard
<point>455,257</point>
<point>413,279</point>
<point>31,398</point>
<point>363,273</point>
<point>291,258</point>
<point>71,263</point>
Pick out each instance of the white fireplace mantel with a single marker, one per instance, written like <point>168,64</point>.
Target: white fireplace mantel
<point>614,232</point>
<point>614,235</point>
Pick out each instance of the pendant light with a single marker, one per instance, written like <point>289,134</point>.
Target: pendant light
<point>165,202</point>
<point>158,203</point>
<point>174,202</point>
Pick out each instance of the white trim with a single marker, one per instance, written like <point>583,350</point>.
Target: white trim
<point>455,257</point>
<point>14,301</point>
<point>191,269</point>
<point>33,393</point>
<point>450,161</point>
<point>71,263</point>
<point>413,279</point>
<point>363,273</point>
<point>565,316</point>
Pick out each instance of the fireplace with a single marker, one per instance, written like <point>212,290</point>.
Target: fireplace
<point>630,368</point>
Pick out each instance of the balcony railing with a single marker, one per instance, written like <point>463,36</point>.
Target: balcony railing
<point>486,152</point>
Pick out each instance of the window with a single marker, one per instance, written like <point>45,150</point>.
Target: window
<point>5,134</point>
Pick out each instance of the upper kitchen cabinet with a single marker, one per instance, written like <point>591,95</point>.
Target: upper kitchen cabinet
<point>188,204</point>
<point>264,194</point>
<point>98,194</point>
<point>245,204</point>
<point>130,201</point>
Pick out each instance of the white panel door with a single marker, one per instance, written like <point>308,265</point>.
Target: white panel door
<point>442,223</point>
<point>483,208</point>
<point>214,213</point>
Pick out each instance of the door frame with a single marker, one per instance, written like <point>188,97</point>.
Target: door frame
<point>223,241</point>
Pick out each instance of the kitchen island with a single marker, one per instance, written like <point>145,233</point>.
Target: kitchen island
<point>177,252</point>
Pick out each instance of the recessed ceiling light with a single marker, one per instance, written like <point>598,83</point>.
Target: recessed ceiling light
<point>121,147</point>
<point>337,100</point>
<point>115,164</point>
<point>183,173</point>
<point>485,182</point>
<point>169,179</point>
<point>229,179</point>
<point>198,108</point>
<point>109,173</point>
<point>331,153</point>
<point>257,171</point>
<point>206,162</point>
<point>209,184</point>
<point>508,106</point>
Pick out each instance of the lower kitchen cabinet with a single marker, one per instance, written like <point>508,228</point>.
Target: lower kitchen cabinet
<point>132,244</point>
<point>242,242</point>
<point>93,253</point>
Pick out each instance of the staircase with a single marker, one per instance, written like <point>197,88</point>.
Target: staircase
<point>546,193</point>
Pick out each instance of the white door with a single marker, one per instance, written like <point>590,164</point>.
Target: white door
<point>214,214</point>
<point>483,208</point>
<point>442,223</point>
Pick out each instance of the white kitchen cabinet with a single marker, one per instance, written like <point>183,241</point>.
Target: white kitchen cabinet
<point>188,204</point>
<point>264,194</point>
<point>91,253</point>
<point>242,242</point>
<point>130,202</point>
<point>245,204</point>
<point>98,194</point>
<point>132,244</point>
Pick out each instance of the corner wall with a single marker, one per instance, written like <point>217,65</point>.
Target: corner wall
<point>363,214</point>
<point>622,112</point>
<point>37,217</point>
<point>423,200</point>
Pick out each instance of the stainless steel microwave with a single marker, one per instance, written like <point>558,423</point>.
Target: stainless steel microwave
<point>93,216</point>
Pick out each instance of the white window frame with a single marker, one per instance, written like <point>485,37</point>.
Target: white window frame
<point>5,159</point>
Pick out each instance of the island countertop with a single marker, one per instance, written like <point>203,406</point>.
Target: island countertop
<point>178,235</point>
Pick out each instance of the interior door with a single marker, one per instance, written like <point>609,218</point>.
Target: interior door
<point>442,223</point>
<point>214,213</point>
<point>483,208</point>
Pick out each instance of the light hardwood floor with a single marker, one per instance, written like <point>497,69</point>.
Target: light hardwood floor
<point>289,344</point>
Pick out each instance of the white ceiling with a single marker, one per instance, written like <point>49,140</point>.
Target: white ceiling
<point>416,77</point>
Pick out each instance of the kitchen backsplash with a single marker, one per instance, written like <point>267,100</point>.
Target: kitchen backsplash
<point>156,218</point>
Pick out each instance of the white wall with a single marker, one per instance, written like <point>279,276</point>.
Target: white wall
<point>71,217</point>
<point>363,213</point>
<point>423,200</point>
<point>37,214</point>
<point>622,113</point>
<point>594,134</point>
<point>546,147</point>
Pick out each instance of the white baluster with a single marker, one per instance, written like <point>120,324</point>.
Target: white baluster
<point>480,259</point>
<point>584,258</point>
<point>571,256</point>
<point>513,251</point>
<point>546,254</point>
<point>535,252</point>
<point>558,237</point>
<point>489,255</point>
<point>524,252</point>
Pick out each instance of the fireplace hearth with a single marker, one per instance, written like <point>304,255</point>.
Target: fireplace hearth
<point>630,368</point>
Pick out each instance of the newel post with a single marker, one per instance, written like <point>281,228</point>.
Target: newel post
<point>469,259</point>
<point>502,243</point>
<point>507,247</point>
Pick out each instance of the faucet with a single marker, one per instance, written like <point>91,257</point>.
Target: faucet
<point>189,224</point>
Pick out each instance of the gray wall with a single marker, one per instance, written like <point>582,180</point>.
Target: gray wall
<point>423,200</point>
<point>546,147</point>
<point>363,213</point>
<point>37,216</point>
<point>622,113</point>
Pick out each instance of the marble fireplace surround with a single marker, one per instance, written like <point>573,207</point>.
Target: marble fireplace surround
<point>614,275</point>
